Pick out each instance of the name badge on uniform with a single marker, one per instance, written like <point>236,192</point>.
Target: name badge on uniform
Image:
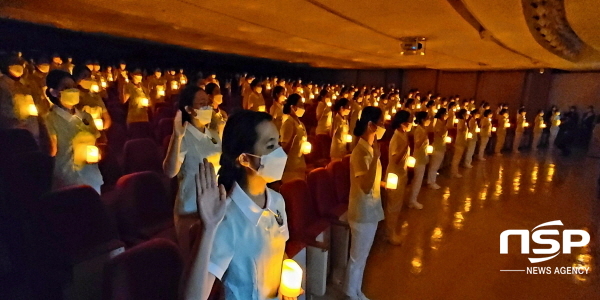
<point>278,218</point>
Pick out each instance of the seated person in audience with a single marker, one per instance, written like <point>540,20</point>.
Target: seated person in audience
<point>256,101</point>
<point>219,116</point>
<point>191,142</point>
<point>89,101</point>
<point>340,128</point>
<point>136,95</point>
<point>293,135</point>
<point>245,223</point>
<point>71,132</point>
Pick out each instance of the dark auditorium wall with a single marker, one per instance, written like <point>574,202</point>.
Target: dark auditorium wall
<point>580,89</point>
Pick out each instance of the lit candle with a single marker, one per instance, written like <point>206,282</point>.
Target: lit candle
<point>144,102</point>
<point>543,125</point>
<point>306,147</point>
<point>448,140</point>
<point>455,121</point>
<point>348,138</point>
<point>160,90</point>
<point>93,154</point>
<point>32,110</point>
<point>435,110</point>
<point>557,123</point>
<point>410,162</point>
<point>311,96</point>
<point>183,81</point>
<point>429,149</point>
<point>399,105</point>
<point>478,130</point>
<point>469,136</point>
<point>493,129</point>
<point>329,103</point>
<point>392,181</point>
<point>99,124</point>
<point>95,88</point>
<point>376,103</point>
<point>291,279</point>
<point>103,83</point>
<point>303,100</point>
<point>334,97</point>
<point>526,124</point>
<point>507,125</point>
<point>394,110</point>
<point>174,85</point>
<point>418,106</point>
<point>262,108</point>
<point>388,117</point>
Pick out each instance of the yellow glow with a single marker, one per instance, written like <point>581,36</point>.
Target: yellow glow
<point>416,263</point>
<point>410,162</point>
<point>144,102</point>
<point>534,177</point>
<point>311,96</point>
<point>418,106</point>
<point>99,124</point>
<point>478,130</point>
<point>526,124</point>
<point>468,204</point>
<point>291,279</point>
<point>399,105</point>
<point>448,140</point>
<point>103,84</point>
<point>550,172</point>
<point>95,88</point>
<point>429,149</point>
<point>183,81</point>
<point>507,125</point>
<point>394,110</point>
<point>306,147</point>
<point>303,100</point>
<point>435,110</point>
<point>329,104</point>
<point>93,154</point>
<point>493,129</point>
<point>334,97</point>
<point>160,90</point>
<point>517,182</point>
<point>459,220</point>
<point>469,135</point>
<point>455,121</point>
<point>388,117</point>
<point>262,108</point>
<point>348,138</point>
<point>392,181</point>
<point>436,238</point>
<point>376,103</point>
<point>32,110</point>
<point>174,85</point>
<point>557,123</point>
<point>542,125</point>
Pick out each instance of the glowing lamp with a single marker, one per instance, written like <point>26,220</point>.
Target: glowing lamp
<point>526,124</point>
<point>388,117</point>
<point>268,86</point>
<point>469,135</point>
<point>183,81</point>
<point>144,102</point>
<point>507,125</point>
<point>376,103</point>
<point>392,181</point>
<point>429,149</point>
<point>348,138</point>
<point>435,110</point>
<point>455,121</point>
<point>93,154</point>
<point>418,106</point>
<point>95,88</point>
<point>311,96</point>
<point>557,123</point>
<point>448,140</point>
<point>32,110</point>
<point>394,110</point>
<point>410,162</point>
<point>103,84</point>
<point>329,103</point>
<point>493,129</point>
<point>399,105</point>
<point>99,124</point>
<point>291,279</point>
<point>262,108</point>
<point>306,147</point>
<point>303,100</point>
<point>174,85</point>
<point>478,130</point>
<point>334,97</point>
<point>543,125</point>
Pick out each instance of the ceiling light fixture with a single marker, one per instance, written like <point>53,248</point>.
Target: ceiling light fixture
<point>412,46</point>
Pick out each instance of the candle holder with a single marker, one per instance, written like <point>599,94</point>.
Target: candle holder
<point>291,279</point>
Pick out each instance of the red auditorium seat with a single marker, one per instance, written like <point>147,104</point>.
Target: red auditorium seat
<point>384,146</point>
<point>320,183</point>
<point>340,173</point>
<point>304,221</point>
<point>116,136</point>
<point>324,146</point>
<point>139,130</point>
<point>141,155</point>
<point>30,176</point>
<point>151,270</point>
<point>163,129</point>
<point>16,141</point>
<point>163,112</point>
<point>142,208</point>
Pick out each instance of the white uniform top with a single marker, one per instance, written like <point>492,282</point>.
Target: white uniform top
<point>364,208</point>
<point>249,245</point>
<point>486,127</point>
<point>324,123</point>
<point>195,146</point>
<point>421,143</point>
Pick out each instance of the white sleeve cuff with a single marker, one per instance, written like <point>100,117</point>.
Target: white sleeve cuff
<point>215,270</point>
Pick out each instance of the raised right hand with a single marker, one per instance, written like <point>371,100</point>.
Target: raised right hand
<point>211,198</point>
<point>178,127</point>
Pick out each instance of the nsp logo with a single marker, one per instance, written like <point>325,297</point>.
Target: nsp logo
<point>536,236</point>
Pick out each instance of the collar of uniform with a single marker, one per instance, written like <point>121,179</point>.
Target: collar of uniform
<point>363,143</point>
<point>252,211</point>
<point>197,133</point>
<point>65,114</point>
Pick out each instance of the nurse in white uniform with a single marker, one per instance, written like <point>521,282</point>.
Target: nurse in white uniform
<point>554,128</point>
<point>365,209</point>
<point>340,128</point>
<point>485,133</point>
<point>461,142</point>
<point>191,142</point>
<point>519,130</point>
<point>245,226</point>
<point>421,158</point>
<point>472,138</point>
<point>440,132</point>
<point>538,130</point>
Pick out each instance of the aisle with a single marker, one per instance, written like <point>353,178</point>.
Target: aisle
<point>451,247</point>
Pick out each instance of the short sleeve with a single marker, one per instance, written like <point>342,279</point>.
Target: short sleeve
<point>359,163</point>
<point>50,125</point>
<point>222,249</point>
<point>287,131</point>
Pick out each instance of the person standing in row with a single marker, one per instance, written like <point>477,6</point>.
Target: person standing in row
<point>472,138</point>
<point>440,132</point>
<point>399,151</point>
<point>136,97</point>
<point>324,115</point>
<point>501,131</point>
<point>365,210</point>
<point>276,110</point>
<point>460,143</point>
<point>219,116</point>
<point>538,129</point>
<point>485,134</point>
<point>521,120</point>
<point>339,148</point>
<point>421,158</point>
<point>293,135</point>
<point>256,101</point>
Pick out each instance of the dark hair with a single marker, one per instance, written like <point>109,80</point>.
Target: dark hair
<point>451,104</point>
<point>402,116</point>
<point>420,117</point>
<point>461,114</point>
<point>53,81</point>
<point>487,112</point>
<point>254,83</point>
<point>503,111</point>
<point>409,102</point>
<point>186,98</point>
<point>79,70</point>
<point>430,103</point>
<point>277,90</point>
<point>540,111</point>
<point>440,113</point>
<point>322,95</point>
<point>369,114</point>
<point>292,100</point>
<point>239,136</point>
<point>521,110</point>
<point>356,95</point>
<point>210,88</point>
<point>339,104</point>
<point>474,112</point>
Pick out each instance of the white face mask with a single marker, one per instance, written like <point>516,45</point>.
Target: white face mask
<point>204,115</point>
<point>69,97</point>
<point>218,99</point>
<point>300,112</point>
<point>272,165</point>
<point>380,132</point>
<point>86,84</point>
<point>16,70</point>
